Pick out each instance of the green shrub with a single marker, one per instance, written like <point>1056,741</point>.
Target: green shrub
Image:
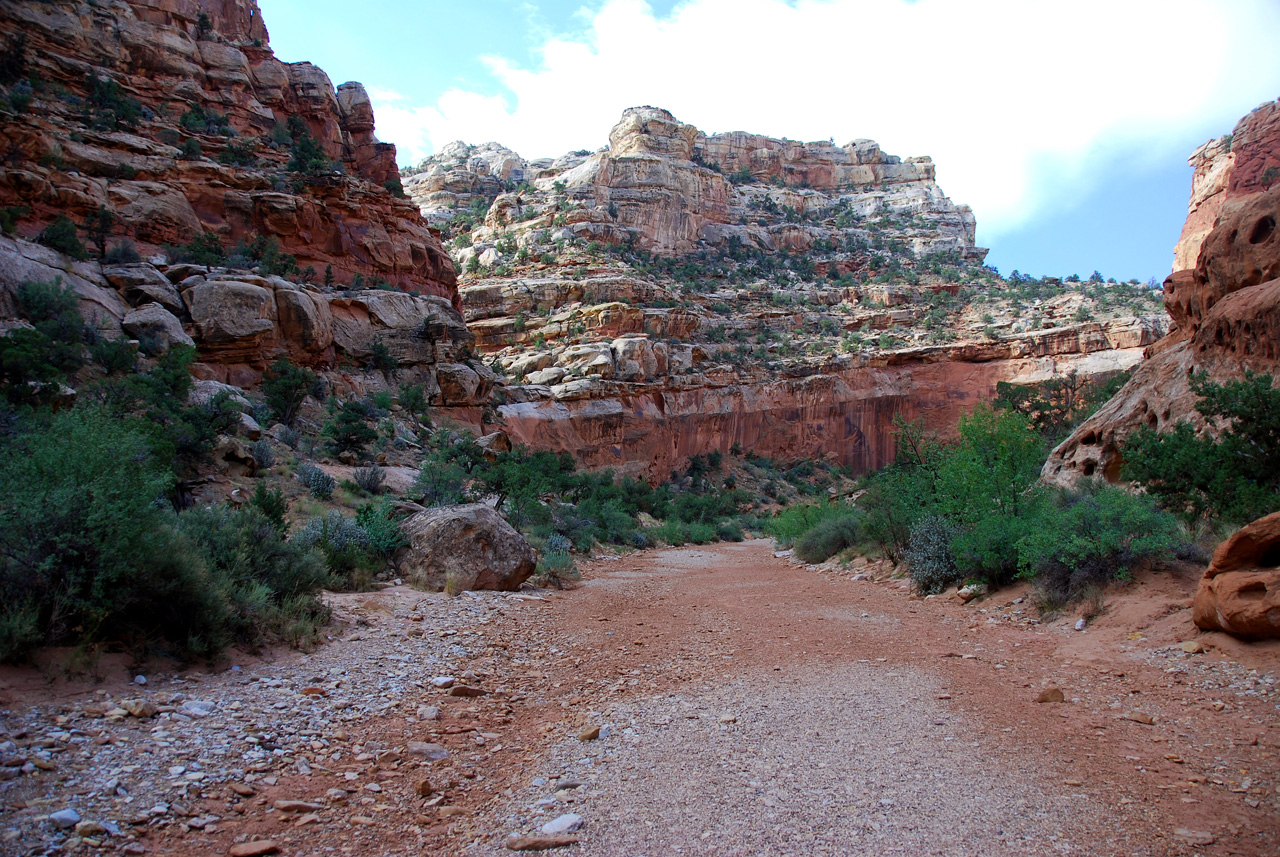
<point>114,355</point>
<point>35,362</point>
<point>1234,478</point>
<point>86,551</point>
<point>266,584</point>
<point>319,483</point>
<point>197,120</point>
<point>1093,536</point>
<point>263,454</point>
<point>106,107</point>
<point>239,154</point>
<point>371,478</point>
<point>204,249</point>
<point>286,386</point>
<point>828,538</point>
<point>121,253</point>
<point>348,430</point>
<point>263,252</point>
<point>60,235</point>
<point>306,155</point>
<point>345,545</point>
<point>928,554</point>
<point>557,570</point>
<point>794,521</point>
<point>271,503</point>
<point>380,524</point>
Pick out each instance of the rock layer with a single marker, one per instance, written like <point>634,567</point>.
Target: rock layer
<point>68,160</point>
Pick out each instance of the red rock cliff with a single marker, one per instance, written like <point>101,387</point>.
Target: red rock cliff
<point>64,155</point>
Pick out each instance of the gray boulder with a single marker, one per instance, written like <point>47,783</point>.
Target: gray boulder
<point>464,547</point>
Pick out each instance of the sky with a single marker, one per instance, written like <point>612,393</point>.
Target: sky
<point>1065,125</point>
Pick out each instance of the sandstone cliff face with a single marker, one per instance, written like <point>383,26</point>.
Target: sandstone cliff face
<point>676,293</point>
<point>65,155</point>
<point>1228,171</point>
<point>1226,316</point>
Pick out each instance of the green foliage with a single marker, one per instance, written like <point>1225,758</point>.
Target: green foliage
<point>239,154</point>
<point>204,249</point>
<point>263,252</point>
<point>1234,478</point>
<point>9,217</point>
<point>121,253</point>
<point>381,358</point>
<point>345,545</point>
<point>286,386</point>
<point>191,150</point>
<point>381,526</point>
<point>1088,538</point>
<point>35,362</point>
<point>348,430</point>
<point>1058,405</point>
<point>395,188</point>
<point>114,355</point>
<point>929,554</point>
<point>60,235</point>
<point>306,155</point>
<point>107,107</point>
<point>98,227</point>
<point>828,538</point>
<point>271,503</point>
<point>370,479</point>
<point>319,483</point>
<point>197,120</point>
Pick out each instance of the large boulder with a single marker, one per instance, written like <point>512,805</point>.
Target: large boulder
<point>464,547</point>
<point>157,324</point>
<point>1240,591</point>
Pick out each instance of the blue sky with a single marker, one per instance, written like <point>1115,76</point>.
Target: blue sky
<point>1066,126</point>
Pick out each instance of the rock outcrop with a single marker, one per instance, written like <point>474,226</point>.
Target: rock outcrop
<point>1240,591</point>
<point>177,129</point>
<point>675,293</point>
<point>1228,171</point>
<point>1226,319</point>
<point>455,548</point>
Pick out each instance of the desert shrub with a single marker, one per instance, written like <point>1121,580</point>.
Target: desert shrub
<point>191,150</point>
<point>271,503</point>
<point>263,253</point>
<point>794,521</point>
<point>348,429</point>
<point>828,538</point>
<point>702,533</point>
<point>35,361</point>
<point>928,554</point>
<point>114,355</point>
<point>263,454</point>
<point>86,552</point>
<point>306,155</point>
<point>121,253</point>
<point>345,545</point>
<point>371,478</point>
<point>266,584</point>
<point>381,358</point>
<point>286,386</point>
<point>557,570</point>
<point>319,483</point>
<point>204,249</point>
<point>380,524</point>
<point>239,153</point>
<point>290,437</point>
<point>60,235</point>
<point>107,107</point>
<point>197,120</point>
<point>1234,478</point>
<point>1088,538</point>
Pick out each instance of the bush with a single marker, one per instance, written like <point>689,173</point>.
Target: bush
<point>35,362</point>
<point>1090,537</point>
<point>121,253</point>
<point>319,483</point>
<point>1234,478</point>
<point>115,355</point>
<point>828,538</point>
<point>106,107</point>
<point>205,249</point>
<point>928,553</point>
<point>306,155</point>
<point>348,431</point>
<point>285,387</point>
<point>556,570</point>
<point>794,521</point>
<point>271,503</point>
<point>379,523</point>
<point>267,586</point>
<point>87,552</point>
<point>344,544</point>
<point>263,454</point>
<point>370,478</point>
<point>60,235</point>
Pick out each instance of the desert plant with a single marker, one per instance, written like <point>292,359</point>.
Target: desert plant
<point>60,235</point>
<point>319,483</point>
<point>286,386</point>
<point>263,454</point>
<point>828,538</point>
<point>371,478</point>
<point>348,429</point>
<point>379,523</point>
<point>928,554</point>
<point>271,503</point>
<point>344,544</point>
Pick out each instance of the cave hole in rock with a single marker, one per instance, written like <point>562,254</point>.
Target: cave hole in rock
<point>1262,230</point>
<point>1270,556</point>
<point>1255,591</point>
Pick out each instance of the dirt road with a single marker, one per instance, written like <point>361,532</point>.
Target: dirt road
<point>745,705</point>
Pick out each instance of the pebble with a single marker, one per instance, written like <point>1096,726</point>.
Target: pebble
<point>442,681</point>
<point>590,733</point>
<point>140,680</point>
<point>254,849</point>
<point>64,819</point>
<point>1195,837</point>
<point>570,822</point>
<point>1051,694</point>
<point>430,752</point>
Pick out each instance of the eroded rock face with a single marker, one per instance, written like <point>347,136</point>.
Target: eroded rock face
<point>464,547</point>
<point>1240,591</point>
<point>1229,170</point>
<point>59,162</point>
<point>1225,316</point>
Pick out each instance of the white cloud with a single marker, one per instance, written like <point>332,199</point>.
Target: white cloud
<point>1019,102</point>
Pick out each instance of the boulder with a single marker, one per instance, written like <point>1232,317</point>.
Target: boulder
<point>495,443</point>
<point>157,324</point>
<point>460,385</point>
<point>464,547</point>
<point>1240,591</point>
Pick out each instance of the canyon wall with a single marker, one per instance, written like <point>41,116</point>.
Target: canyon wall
<point>1225,311</point>
<point>174,116</point>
